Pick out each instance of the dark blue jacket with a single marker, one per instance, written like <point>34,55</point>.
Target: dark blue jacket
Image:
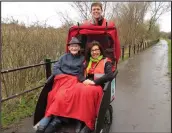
<point>68,64</point>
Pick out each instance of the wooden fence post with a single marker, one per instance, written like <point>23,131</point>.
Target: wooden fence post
<point>145,46</point>
<point>122,52</point>
<point>48,67</point>
<point>0,93</point>
<point>129,51</point>
<point>0,105</point>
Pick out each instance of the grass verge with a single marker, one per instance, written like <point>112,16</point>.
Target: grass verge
<point>169,55</point>
<point>15,110</point>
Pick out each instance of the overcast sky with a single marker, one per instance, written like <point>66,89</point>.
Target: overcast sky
<point>31,12</point>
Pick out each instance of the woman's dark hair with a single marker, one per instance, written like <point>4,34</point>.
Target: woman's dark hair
<point>88,50</point>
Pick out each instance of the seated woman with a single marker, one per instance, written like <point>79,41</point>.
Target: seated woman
<point>69,65</point>
<point>99,70</point>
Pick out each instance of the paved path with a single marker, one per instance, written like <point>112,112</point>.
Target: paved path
<point>143,93</point>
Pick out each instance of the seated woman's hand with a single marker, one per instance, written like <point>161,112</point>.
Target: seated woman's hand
<point>88,82</point>
<point>92,82</point>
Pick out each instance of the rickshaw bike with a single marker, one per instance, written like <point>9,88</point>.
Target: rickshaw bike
<point>108,38</point>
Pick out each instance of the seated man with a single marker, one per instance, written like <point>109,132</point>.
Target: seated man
<point>69,65</point>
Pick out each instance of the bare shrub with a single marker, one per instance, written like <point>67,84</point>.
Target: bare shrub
<point>22,46</point>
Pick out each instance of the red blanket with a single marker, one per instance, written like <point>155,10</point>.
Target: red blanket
<point>72,99</point>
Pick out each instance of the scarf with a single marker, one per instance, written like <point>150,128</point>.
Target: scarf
<point>93,60</point>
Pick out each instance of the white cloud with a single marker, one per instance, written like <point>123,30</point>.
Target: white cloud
<point>165,22</point>
<point>30,12</point>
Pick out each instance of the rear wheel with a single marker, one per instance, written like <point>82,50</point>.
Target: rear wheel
<point>107,120</point>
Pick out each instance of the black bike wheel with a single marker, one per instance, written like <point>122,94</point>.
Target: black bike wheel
<point>107,120</point>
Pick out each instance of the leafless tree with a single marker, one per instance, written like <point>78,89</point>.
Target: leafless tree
<point>129,18</point>
<point>157,10</point>
<point>83,9</point>
<point>65,19</point>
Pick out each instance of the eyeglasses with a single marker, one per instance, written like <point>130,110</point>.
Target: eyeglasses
<point>95,50</point>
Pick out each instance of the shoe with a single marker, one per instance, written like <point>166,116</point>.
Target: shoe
<point>40,129</point>
<point>86,130</point>
<point>78,127</point>
<point>53,126</point>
